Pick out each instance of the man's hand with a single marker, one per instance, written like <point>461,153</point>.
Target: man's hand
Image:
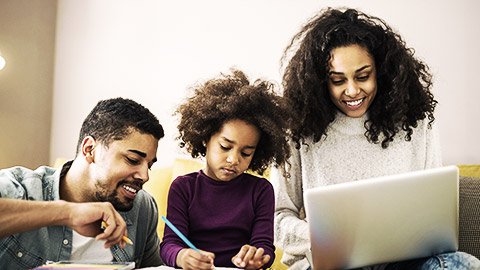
<point>250,258</point>
<point>86,218</point>
<point>190,259</point>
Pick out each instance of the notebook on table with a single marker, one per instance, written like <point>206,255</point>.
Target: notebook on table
<point>384,219</point>
<point>71,265</point>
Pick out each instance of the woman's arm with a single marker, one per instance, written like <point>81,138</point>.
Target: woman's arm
<point>291,228</point>
<point>433,150</point>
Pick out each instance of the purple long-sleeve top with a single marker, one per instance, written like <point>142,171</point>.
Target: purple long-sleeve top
<point>220,217</point>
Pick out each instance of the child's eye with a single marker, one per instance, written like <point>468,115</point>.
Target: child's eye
<point>246,154</point>
<point>225,148</point>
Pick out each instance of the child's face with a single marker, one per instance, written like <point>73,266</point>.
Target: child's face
<point>352,80</point>
<point>230,151</point>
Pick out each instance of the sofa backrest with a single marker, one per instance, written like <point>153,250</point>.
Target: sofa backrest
<point>469,215</point>
<point>160,180</point>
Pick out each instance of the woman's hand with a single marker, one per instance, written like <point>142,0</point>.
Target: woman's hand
<point>250,258</point>
<point>190,259</point>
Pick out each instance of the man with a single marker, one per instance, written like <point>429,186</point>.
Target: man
<point>56,214</point>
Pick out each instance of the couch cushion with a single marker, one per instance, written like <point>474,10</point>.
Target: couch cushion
<point>469,215</point>
<point>472,170</point>
<point>158,187</point>
<point>159,184</point>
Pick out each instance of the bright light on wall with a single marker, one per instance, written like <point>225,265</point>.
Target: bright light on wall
<point>2,62</point>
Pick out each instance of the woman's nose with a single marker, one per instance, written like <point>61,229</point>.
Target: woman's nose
<point>352,89</point>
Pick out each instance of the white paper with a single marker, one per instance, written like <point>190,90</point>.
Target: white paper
<point>170,268</point>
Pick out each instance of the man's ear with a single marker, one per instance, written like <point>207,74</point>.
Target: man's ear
<point>88,147</point>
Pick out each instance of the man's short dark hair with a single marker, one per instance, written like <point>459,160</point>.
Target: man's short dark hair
<point>114,119</point>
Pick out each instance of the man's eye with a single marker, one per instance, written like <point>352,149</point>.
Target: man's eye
<point>133,161</point>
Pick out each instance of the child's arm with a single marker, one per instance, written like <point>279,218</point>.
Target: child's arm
<point>174,251</point>
<point>261,245</point>
<point>177,205</point>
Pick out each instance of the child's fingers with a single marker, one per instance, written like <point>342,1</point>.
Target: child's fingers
<point>248,259</point>
<point>257,264</point>
<point>196,264</point>
<point>243,251</point>
<point>207,256</point>
<point>257,256</point>
<point>258,260</point>
<point>238,259</point>
<point>194,260</point>
<point>265,259</point>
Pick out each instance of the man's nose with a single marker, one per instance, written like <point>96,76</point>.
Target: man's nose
<point>142,173</point>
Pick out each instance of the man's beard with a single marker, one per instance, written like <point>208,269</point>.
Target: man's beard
<point>102,196</point>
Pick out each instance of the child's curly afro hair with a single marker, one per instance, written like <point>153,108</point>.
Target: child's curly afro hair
<point>230,97</point>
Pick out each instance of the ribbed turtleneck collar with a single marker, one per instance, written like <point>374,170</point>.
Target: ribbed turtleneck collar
<point>207,179</point>
<point>348,125</point>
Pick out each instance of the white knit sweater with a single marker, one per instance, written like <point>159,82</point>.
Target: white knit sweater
<point>342,156</point>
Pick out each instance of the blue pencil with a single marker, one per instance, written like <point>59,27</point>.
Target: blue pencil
<point>175,230</point>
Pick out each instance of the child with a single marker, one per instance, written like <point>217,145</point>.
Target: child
<point>223,211</point>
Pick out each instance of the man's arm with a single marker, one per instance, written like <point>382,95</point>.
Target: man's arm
<point>85,218</point>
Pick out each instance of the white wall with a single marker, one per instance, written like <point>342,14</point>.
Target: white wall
<point>152,50</point>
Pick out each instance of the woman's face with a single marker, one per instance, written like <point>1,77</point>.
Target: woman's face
<point>352,82</point>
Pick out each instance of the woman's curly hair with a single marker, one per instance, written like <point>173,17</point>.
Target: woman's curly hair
<point>230,97</point>
<point>403,81</point>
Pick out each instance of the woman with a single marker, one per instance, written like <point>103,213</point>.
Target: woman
<point>364,109</point>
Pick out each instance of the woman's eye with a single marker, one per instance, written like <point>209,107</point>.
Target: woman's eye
<point>336,82</point>
<point>363,78</point>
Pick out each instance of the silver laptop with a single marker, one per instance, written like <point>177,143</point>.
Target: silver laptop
<point>385,219</point>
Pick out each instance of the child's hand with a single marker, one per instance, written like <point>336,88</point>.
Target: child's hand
<point>250,258</point>
<point>190,259</point>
